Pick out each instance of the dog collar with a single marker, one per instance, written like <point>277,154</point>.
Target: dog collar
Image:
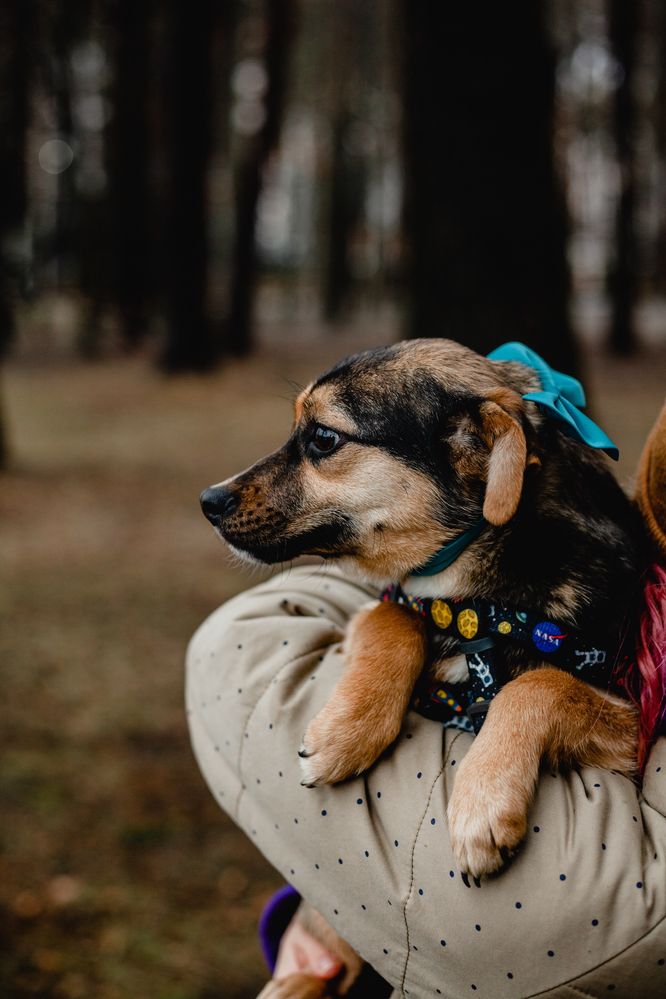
<point>484,629</point>
<point>561,397</point>
<point>447,555</point>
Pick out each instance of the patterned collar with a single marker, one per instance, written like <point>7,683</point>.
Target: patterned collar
<point>482,630</point>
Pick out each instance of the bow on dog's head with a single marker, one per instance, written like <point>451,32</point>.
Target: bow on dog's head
<point>393,452</point>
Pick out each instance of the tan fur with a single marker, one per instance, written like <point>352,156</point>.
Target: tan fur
<point>456,366</point>
<point>298,404</point>
<point>542,713</point>
<point>452,582</point>
<point>565,598</point>
<point>386,648</point>
<point>453,364</point>
<point>371,483</point>
<point>321,406</point>
<point>507,460</point>
<point>364,480</point>
<point>451,670</point>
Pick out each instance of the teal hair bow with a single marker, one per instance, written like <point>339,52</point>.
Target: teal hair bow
<point>560,396</point>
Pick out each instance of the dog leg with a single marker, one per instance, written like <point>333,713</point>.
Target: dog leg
<point>386,649</point>
<point>545,712</point>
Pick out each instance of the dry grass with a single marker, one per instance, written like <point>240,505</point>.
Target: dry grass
<point>119,876</point>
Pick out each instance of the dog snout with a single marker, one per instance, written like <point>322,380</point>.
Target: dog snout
<point>217,502</point>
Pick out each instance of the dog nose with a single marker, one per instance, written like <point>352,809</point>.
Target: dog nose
<point>218,502</point>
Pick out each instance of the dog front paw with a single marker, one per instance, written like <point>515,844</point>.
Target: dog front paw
<point>337,745</point>
<point>487,817</point>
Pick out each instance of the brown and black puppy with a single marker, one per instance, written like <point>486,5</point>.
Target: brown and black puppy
<point>393,453</point>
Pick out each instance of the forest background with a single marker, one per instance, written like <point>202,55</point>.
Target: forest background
<point>201,206</point>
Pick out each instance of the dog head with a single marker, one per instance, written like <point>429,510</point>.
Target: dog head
<point>393,452</point>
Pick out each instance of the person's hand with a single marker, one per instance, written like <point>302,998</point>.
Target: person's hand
<point>301,953</point>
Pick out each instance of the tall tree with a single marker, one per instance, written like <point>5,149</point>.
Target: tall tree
<point>64,25</point>
<point>128,158</point>
<point>624,269</point>
<point>249,176</point>
<point>348,48</point>
<point>345,207</point>
<point>484,214</point>
<point>188,102</point>
<point>658,11</point>
<point>16,29</point>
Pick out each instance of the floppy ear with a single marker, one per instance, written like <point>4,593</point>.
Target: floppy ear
<point>503,433</point>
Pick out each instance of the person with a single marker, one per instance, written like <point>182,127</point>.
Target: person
<point>580,911</point>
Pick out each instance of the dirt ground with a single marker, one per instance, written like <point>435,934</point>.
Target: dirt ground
<point>119,876</point>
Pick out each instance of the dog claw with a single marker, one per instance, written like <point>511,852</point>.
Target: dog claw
<point>477,882</point>
<point>303,753</point>
<point>465,879</point>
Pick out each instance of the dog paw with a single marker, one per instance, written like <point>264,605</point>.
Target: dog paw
<point>487,819</point>
<point>294,987</point>
<point>453,669</point>
<point>335,747</point>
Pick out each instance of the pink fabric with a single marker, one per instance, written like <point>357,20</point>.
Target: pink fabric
<point>645,675</point>
<point>651,660</point>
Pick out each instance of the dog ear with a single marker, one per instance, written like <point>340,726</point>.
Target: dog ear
<point>503,433</point>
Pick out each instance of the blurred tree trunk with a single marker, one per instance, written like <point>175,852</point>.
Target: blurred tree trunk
<point>16,32</point>
<point>128,159</point>
<point>484,213</point>
<point>659,274</point>
<point>249,177</point>
<point>623,275</point>
<point>345,207</point>
<point>4,448</point>
<point>64,30</point>
<point>188,103</point>
<point>343,187</point>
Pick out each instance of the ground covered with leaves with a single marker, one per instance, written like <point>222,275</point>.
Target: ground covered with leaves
<point>119,876</point>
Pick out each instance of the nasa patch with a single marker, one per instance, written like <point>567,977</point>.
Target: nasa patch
<point>547,636</point>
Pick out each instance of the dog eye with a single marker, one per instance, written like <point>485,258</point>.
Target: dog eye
<point>324,441</point>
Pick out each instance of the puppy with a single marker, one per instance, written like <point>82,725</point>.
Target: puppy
<point>396,455</point>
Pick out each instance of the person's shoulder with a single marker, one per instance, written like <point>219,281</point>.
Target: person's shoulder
<point>651,484</point>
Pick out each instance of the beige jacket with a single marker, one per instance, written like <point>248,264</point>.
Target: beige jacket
<point>581,910</point>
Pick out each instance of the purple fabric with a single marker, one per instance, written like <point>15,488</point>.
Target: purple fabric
<point>274,920</point>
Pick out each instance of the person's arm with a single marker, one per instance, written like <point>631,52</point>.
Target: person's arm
<point>373,854</point>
